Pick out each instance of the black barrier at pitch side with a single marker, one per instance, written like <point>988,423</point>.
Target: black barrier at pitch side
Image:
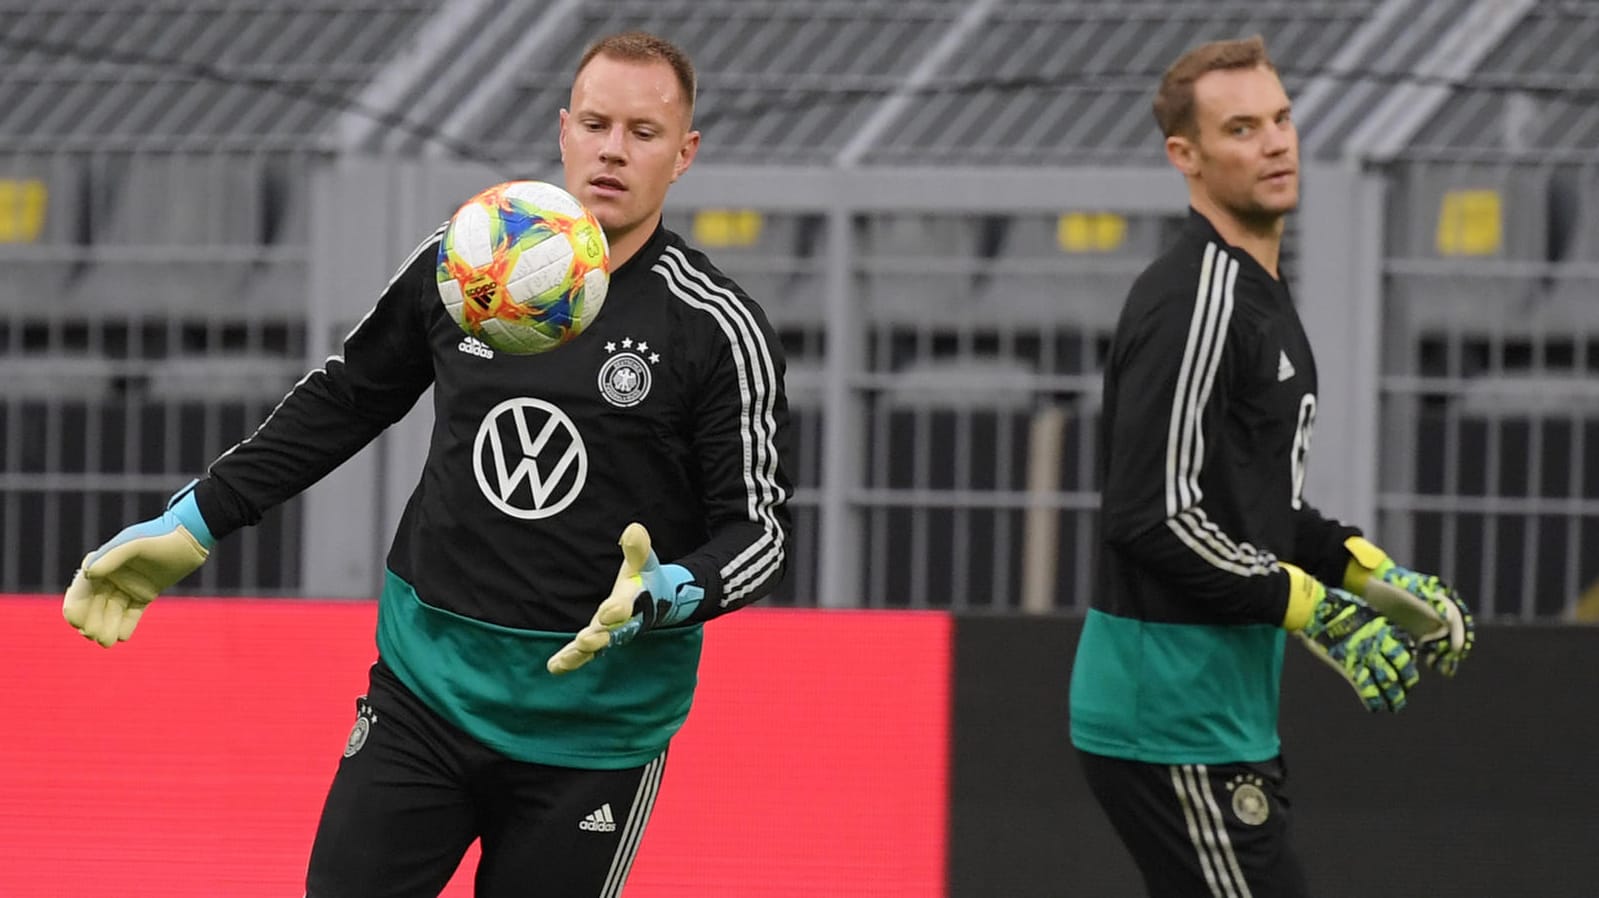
<point>1486,786</point>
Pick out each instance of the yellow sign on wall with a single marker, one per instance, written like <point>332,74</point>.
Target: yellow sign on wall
<point>22,205</point>
<point>727,227</point>
<point>1090,232</point>
<point>1470,223</point>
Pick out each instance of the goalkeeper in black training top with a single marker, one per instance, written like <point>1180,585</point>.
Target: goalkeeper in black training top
<point>1211,555</point>
<point>667,411</point>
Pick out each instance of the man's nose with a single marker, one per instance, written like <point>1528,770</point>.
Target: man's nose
<point>1279,137</point>
<point>615,145</point>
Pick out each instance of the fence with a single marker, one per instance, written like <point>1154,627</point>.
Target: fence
<point>1490,456</point>
<point>945,329</point>
<point>151,313</point>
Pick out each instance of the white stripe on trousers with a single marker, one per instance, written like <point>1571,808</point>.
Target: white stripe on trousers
<point>638,817</point>
<point>1208,832</point>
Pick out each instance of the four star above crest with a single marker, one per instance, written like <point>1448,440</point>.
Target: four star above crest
<point>639,346</point>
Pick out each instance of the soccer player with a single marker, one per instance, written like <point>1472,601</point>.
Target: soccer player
<point>485,716</point>
<point>1210,553</point>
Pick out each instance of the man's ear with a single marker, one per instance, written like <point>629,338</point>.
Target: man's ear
<point>1183,154</point>
<point>686,153</point>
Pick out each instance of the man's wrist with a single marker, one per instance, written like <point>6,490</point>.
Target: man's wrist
<point>1365,561</point>
<point>1304,594</point>
<point>186,511</point>
<point>681,595</point>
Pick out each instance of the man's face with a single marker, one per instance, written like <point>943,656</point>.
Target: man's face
<point>1245,151</point>
<point>625,139</point>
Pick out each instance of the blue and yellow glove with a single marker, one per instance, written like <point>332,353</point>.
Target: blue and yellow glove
<point>646,594</point>
<point>1423,605</point>
<point>1340,629</point>
<point>117,581</point>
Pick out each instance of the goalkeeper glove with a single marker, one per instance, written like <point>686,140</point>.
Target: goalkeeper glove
<point>1426,607</point>
<point>1353,639</point>
<point>646,594</point>
<point>117,581</point>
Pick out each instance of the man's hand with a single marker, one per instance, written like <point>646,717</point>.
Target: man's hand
<point>117,581</point>
<point>1426,607</point>
<point>646,594</point>
<point>1353,639</point>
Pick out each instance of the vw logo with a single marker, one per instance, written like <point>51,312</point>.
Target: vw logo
<point>529,458</point>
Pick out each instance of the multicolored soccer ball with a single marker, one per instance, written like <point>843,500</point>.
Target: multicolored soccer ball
<point>524,267</point>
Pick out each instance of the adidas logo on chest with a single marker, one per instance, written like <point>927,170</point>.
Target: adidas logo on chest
<point>474,346</point>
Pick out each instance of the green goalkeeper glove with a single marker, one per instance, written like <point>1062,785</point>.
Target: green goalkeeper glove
<point>1426,607</point>
<point>1353,639</point>
<point>646,594</point>
<point>117,581</point>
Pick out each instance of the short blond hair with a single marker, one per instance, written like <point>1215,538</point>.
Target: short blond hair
<point>1174,101</point>
<point>641,46</point>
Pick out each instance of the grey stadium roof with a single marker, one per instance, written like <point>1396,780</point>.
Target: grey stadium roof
<point>189,74</point>
<point>972,81</point>
<point>969,82</point>
<point>1537,91</point>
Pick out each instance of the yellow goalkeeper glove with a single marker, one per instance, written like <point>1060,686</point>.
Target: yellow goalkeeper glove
<point>1426,607</point>
<point>1353,639</point>
<point>117,581</point>
<point>646,594</point>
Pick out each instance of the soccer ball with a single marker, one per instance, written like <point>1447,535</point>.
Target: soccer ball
<point>524,267</point>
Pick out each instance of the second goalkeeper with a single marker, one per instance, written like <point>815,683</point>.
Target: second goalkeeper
<point>1212,556</point>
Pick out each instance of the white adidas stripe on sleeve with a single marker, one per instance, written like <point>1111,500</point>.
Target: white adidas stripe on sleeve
<point>757,376</point>
<point>1185,439</point>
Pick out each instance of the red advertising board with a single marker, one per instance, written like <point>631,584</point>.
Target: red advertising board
<point>192,761</point>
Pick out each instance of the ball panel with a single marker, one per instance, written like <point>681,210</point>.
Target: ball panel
<point>543,196</point>
<point>595,285</point>
<point>473,236</point>
<point>542,267</point>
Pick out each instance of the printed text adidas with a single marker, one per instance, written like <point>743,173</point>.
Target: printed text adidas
<point>474,346</point>
<point>599,821</point>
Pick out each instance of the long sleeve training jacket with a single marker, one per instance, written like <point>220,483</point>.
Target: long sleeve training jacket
<point>668,410</point>
<point>1209,406</point>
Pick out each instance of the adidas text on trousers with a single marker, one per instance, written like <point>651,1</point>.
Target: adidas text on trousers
<point>1201,830</point>
<point>412,792</point>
